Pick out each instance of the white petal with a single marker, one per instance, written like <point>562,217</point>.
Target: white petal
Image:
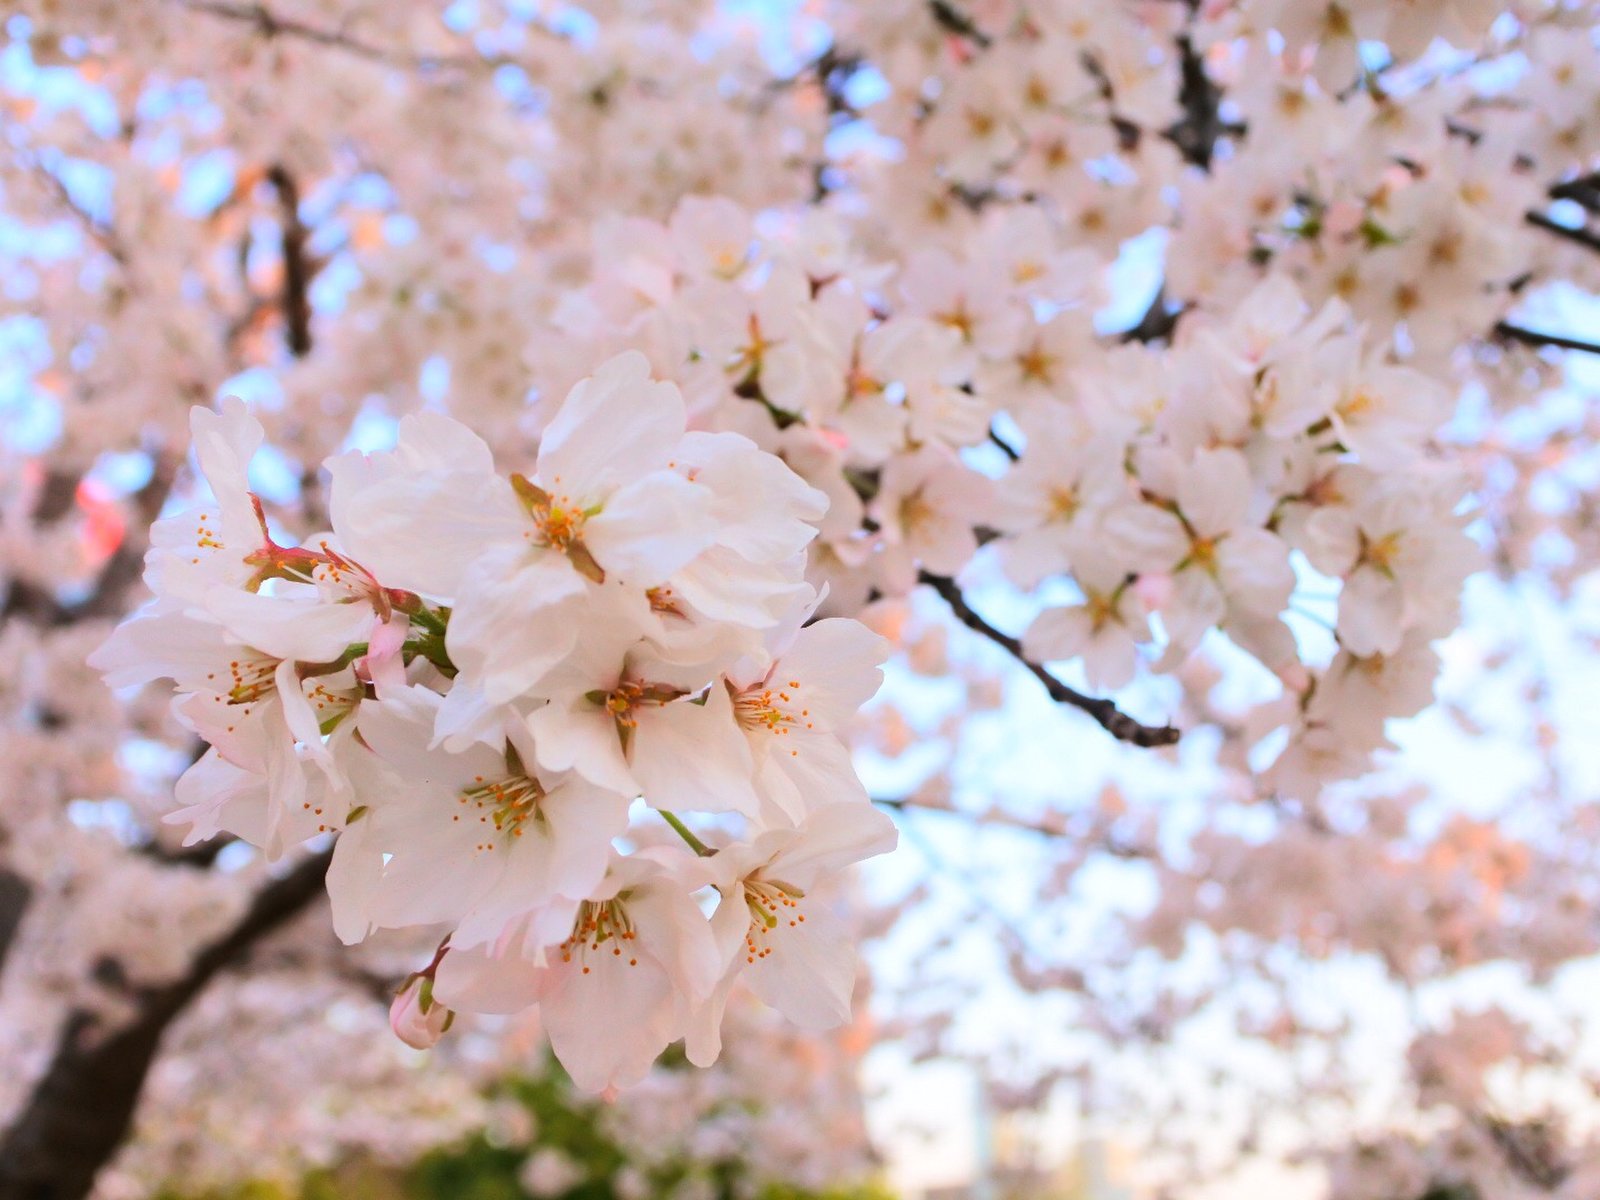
<point>810,975</point>
<point>422,531</point>
<point>353,877</point>
<point>650,528</point>
<point>694,756</point>
<point>609,1026</point>
<point>161,643</point>
<point>1256,573</point>
<point>833,837</point>
<point>224,444</point>
<point>305,630</point>
<point>1370,612</point>
<point>582,737</point>
<point>835,663</point>
<point>809,769</point>
<point>1215,491</point>
<point>483,979</point>
<point>611,429</point>
<point>512,622</point>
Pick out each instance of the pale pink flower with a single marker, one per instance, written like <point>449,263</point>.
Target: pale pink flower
<point>634,724</point>
<point>794,954</point>
<point>793,711</point>
<point>616,989</point>
<point>474,838</point>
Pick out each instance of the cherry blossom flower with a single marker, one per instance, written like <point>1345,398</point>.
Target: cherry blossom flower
<point>793,712</point>
<point>797,956</point>
<point>613,992</point>
<point>475,838</point>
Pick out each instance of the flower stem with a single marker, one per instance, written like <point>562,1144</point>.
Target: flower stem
<point>432,648</point>
<point>429,620</point>
<point>695,844</point>
<point>308,670</point>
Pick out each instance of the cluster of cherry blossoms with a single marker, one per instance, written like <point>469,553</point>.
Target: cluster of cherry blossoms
<point>903,247</point>
<point>1275,452</point>
<point>472,679</point>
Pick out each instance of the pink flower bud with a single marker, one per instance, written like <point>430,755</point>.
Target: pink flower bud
<point>416,1018</point>
<point>383,663</point>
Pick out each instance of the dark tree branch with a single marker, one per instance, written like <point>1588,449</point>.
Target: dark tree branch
<point>1530,1149</point>
<point>1157,323</point>
<point>297,267</point>
<point>1583,236</point>
<point>57,496</point>
<point>55,500</point>
<point>1506,331</point>
<point>1006,447</point>
<point>199,857</point>
<point>953,20</point>
<point>15,892</point>
<point>81,1110</point>
<point>1584,190</point>
<point>1111,718</point>
<point>1195,134</point>
<point>832,69</point>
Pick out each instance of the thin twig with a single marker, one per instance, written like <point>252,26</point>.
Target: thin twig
<point>832,70</point>
<point>1583,236</point>
<point>269,25</point>
<point>1001,819</point>
<point>1015,941</point>
<point>953,20</point>
<point>1006,447</point>
<point>101,233</point>
<point>1111,718</point>
<point>1533,337</point>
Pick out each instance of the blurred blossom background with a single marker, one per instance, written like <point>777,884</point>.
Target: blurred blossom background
<point>1339,940</point>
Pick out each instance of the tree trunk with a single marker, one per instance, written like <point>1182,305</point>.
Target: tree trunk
<point>81,1110</point>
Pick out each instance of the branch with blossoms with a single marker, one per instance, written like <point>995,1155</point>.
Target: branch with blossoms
<point>1104,711</point>
<point>336,674</point>
<point>473,676</point>
<point>442,673</point>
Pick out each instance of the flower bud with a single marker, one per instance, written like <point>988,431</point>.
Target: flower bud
<point>416,1018</point>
